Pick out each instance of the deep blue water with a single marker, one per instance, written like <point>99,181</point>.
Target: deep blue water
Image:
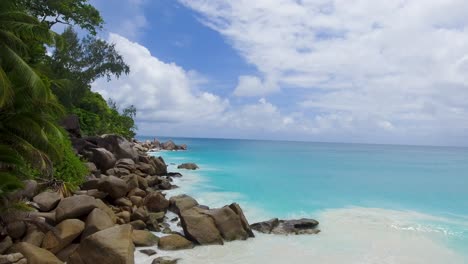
<point>288,178</point>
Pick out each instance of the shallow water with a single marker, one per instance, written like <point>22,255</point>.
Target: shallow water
<point>375,203</point>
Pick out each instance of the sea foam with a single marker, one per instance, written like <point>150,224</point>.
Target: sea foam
<point>353,235</point>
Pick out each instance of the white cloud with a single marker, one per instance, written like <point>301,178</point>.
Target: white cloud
<point>161,92</point>
<point>253,86</point>
<point>399,66</point>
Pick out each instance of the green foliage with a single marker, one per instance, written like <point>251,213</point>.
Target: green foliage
<point>96,117</point>
<point>28,108</point>
<point>69,12</point>
<point>68,168</point>
<point>82,62</point>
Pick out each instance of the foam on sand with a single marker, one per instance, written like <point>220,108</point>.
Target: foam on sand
<point>349,235</point>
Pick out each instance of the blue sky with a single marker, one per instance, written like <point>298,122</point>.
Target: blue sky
<point>317,70</point>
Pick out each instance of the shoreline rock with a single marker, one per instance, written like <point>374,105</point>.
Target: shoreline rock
<point>287,227</point>
<point>118,206</point>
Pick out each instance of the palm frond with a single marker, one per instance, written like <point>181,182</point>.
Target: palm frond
<point>6,90</point>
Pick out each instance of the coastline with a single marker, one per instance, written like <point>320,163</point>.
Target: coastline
<point>394,236</point>
<point>136,224</point>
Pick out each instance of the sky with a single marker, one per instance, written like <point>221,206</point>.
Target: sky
<point>364,71</point>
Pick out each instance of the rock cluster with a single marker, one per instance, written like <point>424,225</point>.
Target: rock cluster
<point>117,208</point>
<point>168,145</point>
<point>287,227</point>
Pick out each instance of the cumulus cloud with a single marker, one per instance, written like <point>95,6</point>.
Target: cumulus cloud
<point>399,66</point>
<point>162,92</point>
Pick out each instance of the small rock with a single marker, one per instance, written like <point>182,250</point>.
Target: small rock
<point>34,236</point>
<point>16,229</point>
<point>65,233</point>
<point>96,194</point>
<point>124,215</point>
<point>164,260</point>
<point>286,227</point>
<point>149,252</point>
<point>123,202</point>
<point>11,258</point>
<point>143,238</point>
<point>174,242</point>
<point>140,214</point>
<point>75,206</point>
<point>138,224</point>
<point>182,202</point>
<point>35,255</point>
<point>96,221</point>
<point>156,202</point>
<point>188,166</point>
<point>65,253</point>
<point>136,200</point>
<point>5,244</point>
<point>47,200</point>
<point>115,187</point>
<point>137,192</point>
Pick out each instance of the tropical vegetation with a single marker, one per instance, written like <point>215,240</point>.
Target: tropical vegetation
<point>45,76</point>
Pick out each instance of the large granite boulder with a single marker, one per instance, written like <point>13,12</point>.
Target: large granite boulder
<point>74,207</point>
<point>119,146</point>
<point>47,200</point>
<point>103,158</point>
<point>144,238</point>
<point>34,236</point>
<point>286,227</point>
<point>146,168</point>
<point>96,221</point>
<point>159,165</point>
<point>181,202</point>
<point>115,187</point>
<point>228,223</point>
<point>35,255</point>
<point>65,233</point>
<point>174,242</point>
<point>65,253</point>
<point>101,205</point>
<point>245,224</point>
<point>109,246</point>
<point>156,202</point>
<point>16,229</point>
<point>169,145</point>
<point>128,164</point>
<point>199,228</point>
<point>188,166</point>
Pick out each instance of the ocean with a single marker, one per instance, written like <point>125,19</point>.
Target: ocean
<point>375,203</point>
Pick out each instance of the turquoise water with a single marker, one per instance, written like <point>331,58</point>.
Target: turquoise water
<point>287,179</point>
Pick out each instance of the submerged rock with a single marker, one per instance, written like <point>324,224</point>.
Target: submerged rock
<point>188,166</point>
<point>287,227</point>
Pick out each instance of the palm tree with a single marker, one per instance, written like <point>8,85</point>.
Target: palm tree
<point>28,108</point>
